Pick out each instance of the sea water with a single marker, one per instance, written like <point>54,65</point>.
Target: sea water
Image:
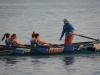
<point>45,17</point>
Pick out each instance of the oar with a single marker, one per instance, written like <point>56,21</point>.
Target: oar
<point>28,45</point>
<point>86,37</point>
<point>89,37</point>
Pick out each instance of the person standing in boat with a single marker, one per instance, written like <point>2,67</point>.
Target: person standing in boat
<point>68,30</point>
<point>15,42</point>
<point>8,39</point>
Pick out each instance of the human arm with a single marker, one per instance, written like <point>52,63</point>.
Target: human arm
<point>19,43</point>
<point>62,34</point>
<point>71,28</point>
<point>43,42</point>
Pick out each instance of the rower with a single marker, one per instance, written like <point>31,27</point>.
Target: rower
<point>15,42</point>
<point>40,42</point>
<point>8,39</point>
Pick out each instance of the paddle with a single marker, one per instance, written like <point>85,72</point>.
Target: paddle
<point>86,37</point>
<point>89,37</point>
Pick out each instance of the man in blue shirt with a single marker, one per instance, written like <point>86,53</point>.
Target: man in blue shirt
<point>68,30</point>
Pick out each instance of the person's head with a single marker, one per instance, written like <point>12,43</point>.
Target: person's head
<point>6,35</point>
<point>37,35</point>
<point>65,21</point>
<point>14,36</point>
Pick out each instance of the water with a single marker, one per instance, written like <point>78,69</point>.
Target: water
<point>51,65</point>
<point>45,17</point>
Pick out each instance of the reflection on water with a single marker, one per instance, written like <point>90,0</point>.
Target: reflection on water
<point>10,61</point>
<point>52,64</point>
<point>69,60</point>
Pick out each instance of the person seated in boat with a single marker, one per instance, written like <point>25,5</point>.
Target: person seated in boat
<point>8,39</point>
<point>38,42</point>
<point>15,42</point>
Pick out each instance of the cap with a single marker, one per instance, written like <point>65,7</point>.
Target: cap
<point>65,19</point>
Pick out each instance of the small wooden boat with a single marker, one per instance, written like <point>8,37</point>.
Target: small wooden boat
<point>76,48</point>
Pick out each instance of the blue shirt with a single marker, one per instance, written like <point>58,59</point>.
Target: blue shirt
<point>66,29</point>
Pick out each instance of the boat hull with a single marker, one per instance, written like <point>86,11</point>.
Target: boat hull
<point>89,48</point>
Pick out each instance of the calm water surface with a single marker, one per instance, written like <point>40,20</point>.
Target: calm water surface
<point>51,65</point>
<point>45,17</point>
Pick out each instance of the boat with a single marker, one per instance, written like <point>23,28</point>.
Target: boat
<point>77,48</point>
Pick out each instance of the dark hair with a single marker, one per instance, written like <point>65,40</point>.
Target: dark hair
<point>33,34</point>
<point>36,35</point>
<point>12,36</point>
<point>5,35</point>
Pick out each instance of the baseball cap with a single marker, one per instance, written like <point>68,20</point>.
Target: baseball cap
<point>65,19</point>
